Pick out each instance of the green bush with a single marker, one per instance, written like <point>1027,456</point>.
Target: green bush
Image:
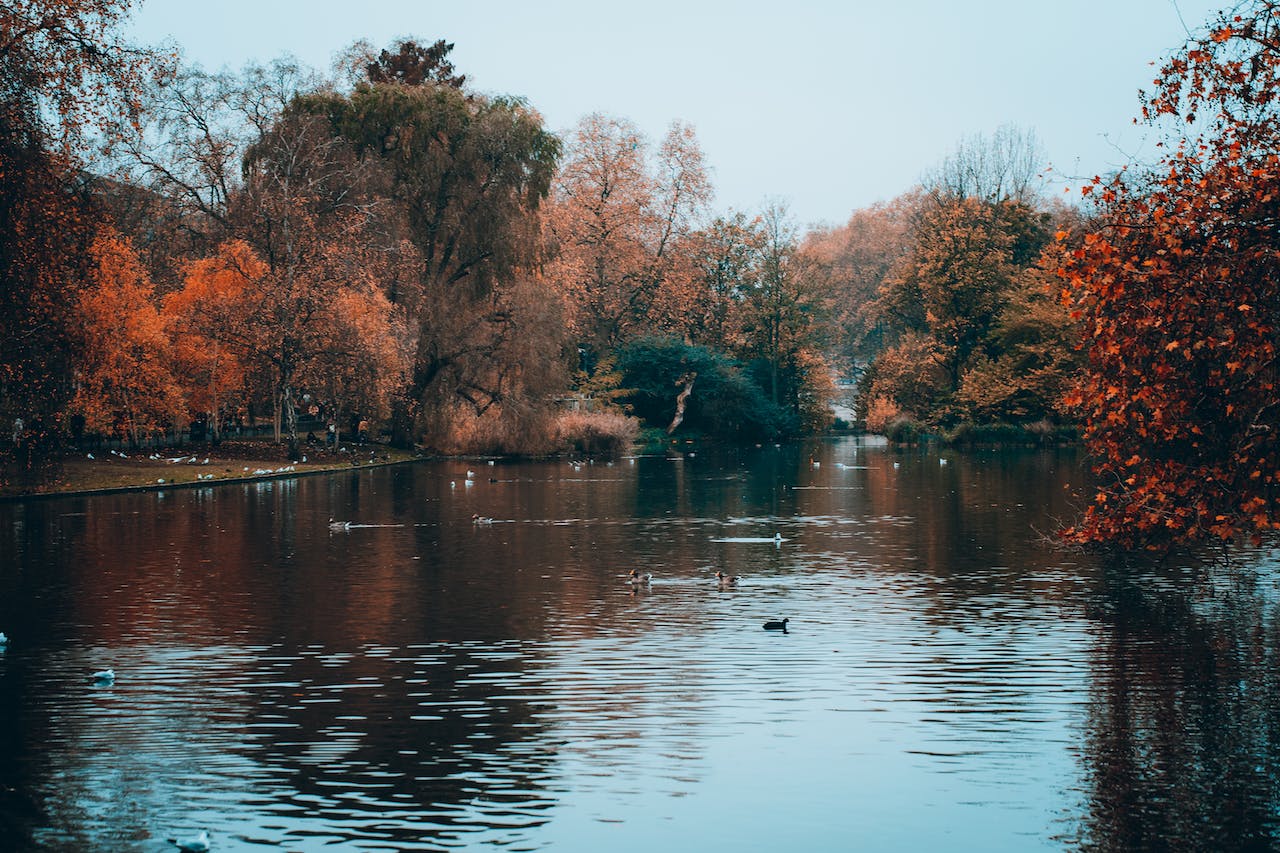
<point>1037,432</point>
<point>724,403</point>
<point>903,430</point>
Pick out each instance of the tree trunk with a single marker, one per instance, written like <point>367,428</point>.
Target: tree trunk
<point>682,399</point>
<point>291,423</point>
<point>402,424</point>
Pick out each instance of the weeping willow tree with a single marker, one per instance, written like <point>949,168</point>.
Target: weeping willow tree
<point>467,173</point>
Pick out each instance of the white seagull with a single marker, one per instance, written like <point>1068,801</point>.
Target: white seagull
<point>198,843</point>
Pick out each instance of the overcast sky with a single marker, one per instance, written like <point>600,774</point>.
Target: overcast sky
<point>830,106</point>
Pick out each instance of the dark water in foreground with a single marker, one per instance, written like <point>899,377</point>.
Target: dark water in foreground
<point>422,682</point>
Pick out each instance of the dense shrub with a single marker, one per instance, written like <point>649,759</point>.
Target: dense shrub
<point>724,402</point>
<point>596,433</point>
<point>903,430</point>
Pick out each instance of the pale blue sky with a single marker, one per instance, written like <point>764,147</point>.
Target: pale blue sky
<point>828,105</point>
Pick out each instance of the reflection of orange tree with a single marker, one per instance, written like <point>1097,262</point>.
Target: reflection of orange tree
<point>979,524</point>
<point>373,659</point>
<point>1179,749</point>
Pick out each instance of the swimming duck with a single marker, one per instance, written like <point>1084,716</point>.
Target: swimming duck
<point>481,519</point>
<point>775,625</point>
<point>726,580</point>
<point>104,676</point>
<point>637,579</point>
<point>339,525</point>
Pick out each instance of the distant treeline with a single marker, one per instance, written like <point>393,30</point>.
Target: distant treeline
<point>386,243</point>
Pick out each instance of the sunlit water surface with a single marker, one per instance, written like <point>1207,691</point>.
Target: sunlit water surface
<point>949,681</point>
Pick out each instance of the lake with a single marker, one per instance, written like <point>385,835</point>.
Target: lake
<point>412,678</point>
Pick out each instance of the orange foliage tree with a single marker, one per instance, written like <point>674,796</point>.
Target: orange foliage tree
<point>856,259</point>
<point>208,331</point>
<point>326,330</point>
<point>61,71</point>
<point>620,228</point>
<point>123,383</point>
<point>784,318</point>
<point>1177,290</point>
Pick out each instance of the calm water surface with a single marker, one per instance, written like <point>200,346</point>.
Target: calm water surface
<point>421,682</point>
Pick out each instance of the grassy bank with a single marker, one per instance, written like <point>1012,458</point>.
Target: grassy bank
<point>196,464</point>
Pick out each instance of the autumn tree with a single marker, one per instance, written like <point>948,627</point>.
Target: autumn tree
<point>620,225</point>
<point>727,257</point>
<point>205,323</point>
<point>1176,290</point>
<point>272,194</point>
<point>238,321</point>
<point>967,298</point>
<point>1029,361</point>
<point>123,382</point>
<point>466,173</point>
<point>62,69</point>
<point>785,320</point>
<point>303,210</point>
<point>855,260</point>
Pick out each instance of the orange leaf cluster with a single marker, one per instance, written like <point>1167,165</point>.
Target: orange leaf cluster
<point>1178,290</point>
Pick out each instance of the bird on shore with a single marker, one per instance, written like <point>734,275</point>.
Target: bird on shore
<point>726,580</point>
<point>775,625</point>
<point>198,843</point>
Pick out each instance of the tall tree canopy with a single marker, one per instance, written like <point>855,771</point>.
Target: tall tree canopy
<point>1177,290</point>
<point>971,332</point>
<point>412,64</point>
<point>124,383</point>
<point>61,71</point>
<point>467,174</point>
<point>620,225</point>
